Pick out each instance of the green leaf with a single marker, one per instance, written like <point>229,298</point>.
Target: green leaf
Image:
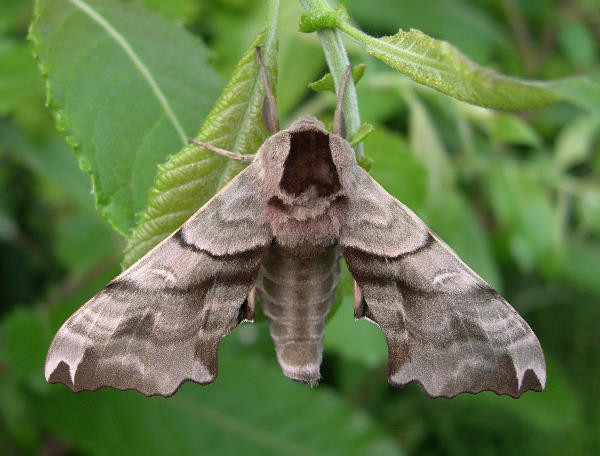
<point>8,228</point>
<point>582,263</point>
<point>188,179</point>
<point>363,131</point>
<point>355,340</point>
<point>14,16</point>
<point>397,168</point>
<point>448,212</point>
<point>235,26</point>
<point>379,95</point>
<point>509,129</point>
<point>22,87</point>
<point>523,211</point>
<point>578,43</point>
<point>176,10</point>
<point>18,423</point>
<point>19,79</point>
<point>460,22</point>
<point>439,65</point>
<point>578,91</point>
<point>427,144</point>
<point>251,409</point>
<point>364,162</point>
<point>83,240</point>
<point>25,335</point>
<point>455,221</point>
<point>293,78</point>
<point>52,160</point>
<point>587,199</point>
<point>325,84</point>
<point>126,88</point>
<point>501,127</point>
<point>575,142</point>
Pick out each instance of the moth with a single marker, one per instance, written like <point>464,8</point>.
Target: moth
<point>277,232</point>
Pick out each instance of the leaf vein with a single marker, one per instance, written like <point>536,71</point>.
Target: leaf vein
<point>137,61</point>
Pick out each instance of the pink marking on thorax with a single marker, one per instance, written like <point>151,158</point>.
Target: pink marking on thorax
<point>321,229</point>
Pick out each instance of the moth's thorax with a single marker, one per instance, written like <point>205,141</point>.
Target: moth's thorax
<point>320,230</point>
<point>309,166</point>
<point>305,168</point>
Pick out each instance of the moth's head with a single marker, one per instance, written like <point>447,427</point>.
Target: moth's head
<point>306,159</point>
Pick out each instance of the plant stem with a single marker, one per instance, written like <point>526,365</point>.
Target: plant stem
<point>337,60</point>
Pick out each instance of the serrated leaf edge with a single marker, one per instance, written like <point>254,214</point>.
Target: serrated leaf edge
<point>62,125</point>
<point>154,223</point>
<point>451,71</point>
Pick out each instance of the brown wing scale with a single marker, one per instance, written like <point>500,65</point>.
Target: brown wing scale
<point>159,323</point>
<point>445,327</point>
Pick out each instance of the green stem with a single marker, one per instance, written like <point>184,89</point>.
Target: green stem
<point>337,60</point>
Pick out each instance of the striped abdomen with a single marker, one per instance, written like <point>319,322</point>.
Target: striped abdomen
<point>296,294</point>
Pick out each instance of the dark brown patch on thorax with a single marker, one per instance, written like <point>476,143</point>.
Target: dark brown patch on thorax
<point>309,163</point>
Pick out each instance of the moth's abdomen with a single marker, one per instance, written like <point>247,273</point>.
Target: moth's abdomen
<point>296,294</point>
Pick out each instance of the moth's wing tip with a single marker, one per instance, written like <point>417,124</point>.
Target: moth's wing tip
<point>48,371</point>
<point>540,370</point>
<point>147,393</point>
<point>530,381</point>
<point>171,391</point>
<point>61,373</point>
<point>531,374</point>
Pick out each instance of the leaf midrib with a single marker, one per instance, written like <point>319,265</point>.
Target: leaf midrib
<point>443,67</point>
<point>138,63</point>
<point>391,48</point>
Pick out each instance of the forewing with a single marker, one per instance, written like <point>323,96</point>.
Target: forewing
<point>159,323</point>
<point>445,327</point>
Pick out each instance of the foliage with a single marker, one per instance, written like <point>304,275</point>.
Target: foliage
<point>120,127</point>
<point>517,194</point>
<point>440,65</point>
<point>188,179</point>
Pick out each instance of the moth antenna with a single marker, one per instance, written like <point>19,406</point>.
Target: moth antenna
<point>269,107</point>
<point>225,153</point>
<point>338,117</point>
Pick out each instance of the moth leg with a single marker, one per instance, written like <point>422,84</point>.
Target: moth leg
<point>250,305</point>
<point>359,302</point>
<point>339,125</point>
<point>269,110</point>
<point>225,153</point>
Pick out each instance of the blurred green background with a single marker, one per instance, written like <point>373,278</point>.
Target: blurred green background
<point>517,195</point>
